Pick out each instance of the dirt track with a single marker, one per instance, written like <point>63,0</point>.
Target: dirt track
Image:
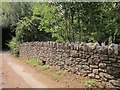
<point>19,75</point>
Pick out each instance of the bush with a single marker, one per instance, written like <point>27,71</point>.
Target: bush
<point>90,83</point>
<point>14,46</point>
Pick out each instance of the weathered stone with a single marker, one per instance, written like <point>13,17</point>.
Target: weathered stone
<point>94,66</point>
<point>102,65</point>
<point>85,72</point>
<point>105,75</point>
<point>110,50</point>
<point>71,46</point>
<point>85,48</point>
<point>115,82</point>
<point>73,53</point>
<point>95,46</point>
<point>79,66</point>
<point>104,57</point>
<point>108,76</point>
<point>91,75</point>
<point>102,70</point>
<point>118,61</point>
<point>85,67</point>
<point>113,59</point>
<point>95,71</point>
<point>104,50</point>
<point>109,85</point>
<point>101,74</point>
<point>76,46</point>
<point>113,49</point>
<point>96,61</point>
<point>97,76</point>
<point>99,62</point>
<point>107,62</point>
<point>89,47</point>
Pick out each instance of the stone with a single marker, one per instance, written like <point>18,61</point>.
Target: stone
<point>94,46</point>
<point>118,61</point>
<point>91,75</point>
<point>79,66</point>
<point>85,47</point>
<point>108,76</point>
<point>71,46</point>
<point>99,62</point>
<point>113,59</point>
<point>102,70</point>
<point>110,49</point>
<point>102,65</point>
<point>115,82</point>
<point>97,76</point>
<point>76,46</point>
<point>85,71</point>
<point>95,71</point>
<point>107,62</point>
<point>85,67</point>
<point>104,50</point>
<point>104,57</point>
<point>73,53</point>
<point>94,66</point>
<point>109,85</point>
<point>101,74</point>
<point>105,75</point>
<point>113,49</point>
<point>89,47</point>
<point>96,61</point>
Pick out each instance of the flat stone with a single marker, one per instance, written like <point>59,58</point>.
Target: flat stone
<point>108,76</point>
<point>105,75</point>
<point>94,66</point>
<point>95,71</point>
<point>109,85</point>
<point>115,82</point>
<point>113,59</point>
<point>91,75</point>
<point>102,70</point>
<point>101,74</point>
<point>97,76</point>
<point>102,65</point>
<point>85,67</point>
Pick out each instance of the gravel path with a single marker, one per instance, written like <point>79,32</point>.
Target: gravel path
<point>19,75</point>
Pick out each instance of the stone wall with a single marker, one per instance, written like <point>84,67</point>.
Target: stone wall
<point>91,60</point>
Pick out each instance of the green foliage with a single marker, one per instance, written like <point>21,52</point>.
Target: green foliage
<point>90,83</point>
<point>12,12</point>
<point>64,21</point>
<point>27,30</point>
<point>14,46</point>
<point>49,19</point>
<point>34,61</point>
<point>41,67</point>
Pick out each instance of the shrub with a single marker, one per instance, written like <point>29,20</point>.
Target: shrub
<point>90,83</point>
<point>14,46</point>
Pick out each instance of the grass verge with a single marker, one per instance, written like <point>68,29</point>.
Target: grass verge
<point>69,79</point>
<point>39,65</point>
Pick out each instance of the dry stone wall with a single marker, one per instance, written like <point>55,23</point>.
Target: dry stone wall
<point>91,60</point>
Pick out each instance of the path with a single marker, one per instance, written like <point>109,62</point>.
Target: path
<point>19,75</point>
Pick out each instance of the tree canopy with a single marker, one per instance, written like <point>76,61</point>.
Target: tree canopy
<point>63,21</point>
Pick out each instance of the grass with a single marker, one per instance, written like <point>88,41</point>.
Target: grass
<point>41,67</point>
<point>61,75</point>
<point>90,83</point>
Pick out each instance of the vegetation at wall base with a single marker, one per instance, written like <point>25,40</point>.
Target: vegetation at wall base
<point>63,76</point>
